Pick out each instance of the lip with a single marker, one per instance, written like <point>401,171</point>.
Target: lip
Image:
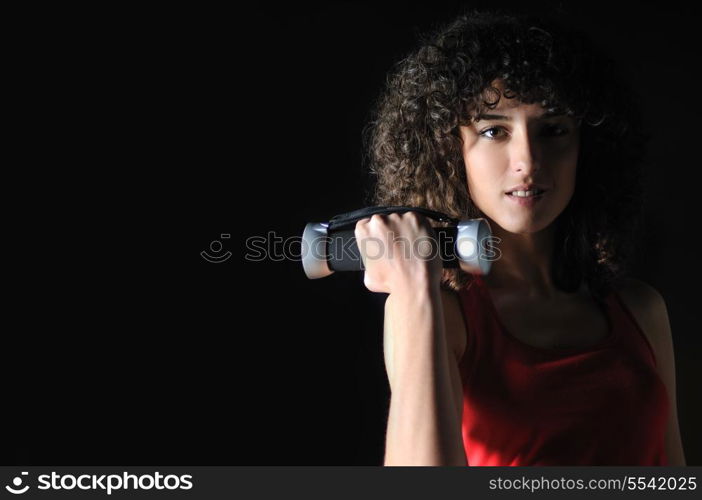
<point>526,202</point>
<point>527,187</point>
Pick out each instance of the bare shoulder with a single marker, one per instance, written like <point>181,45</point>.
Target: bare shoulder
<point>455,326</point>
<point>648,307</point>
<point>643,298</point>
<point>636,290</point>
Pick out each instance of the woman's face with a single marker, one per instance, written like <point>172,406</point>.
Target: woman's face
<point>522,147</point>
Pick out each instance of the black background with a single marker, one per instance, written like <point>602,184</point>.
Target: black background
<point>160,130</point>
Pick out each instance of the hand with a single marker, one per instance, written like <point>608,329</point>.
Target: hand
<point>399,251</point>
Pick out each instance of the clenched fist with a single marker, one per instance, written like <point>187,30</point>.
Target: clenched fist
<point>399,251</point>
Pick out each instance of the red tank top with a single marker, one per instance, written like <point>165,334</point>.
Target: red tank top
<point>603,404</point>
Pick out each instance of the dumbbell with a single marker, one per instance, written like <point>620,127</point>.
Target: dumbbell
<point>328,247</point>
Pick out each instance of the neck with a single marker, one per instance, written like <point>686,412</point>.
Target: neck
<point>524,263</point>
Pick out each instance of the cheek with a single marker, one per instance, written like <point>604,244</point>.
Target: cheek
<point>569,167</point>
<point>484,185</point>
<point>565,179</point>
<point>482,171</point>
<point>562,161</point>
<point>478,180</point>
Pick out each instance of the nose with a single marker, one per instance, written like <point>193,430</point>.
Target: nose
<point>524,155</point>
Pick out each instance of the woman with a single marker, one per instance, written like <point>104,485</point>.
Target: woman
<point>555,357</point>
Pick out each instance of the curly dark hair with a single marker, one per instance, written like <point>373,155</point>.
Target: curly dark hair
<point>413,145</point>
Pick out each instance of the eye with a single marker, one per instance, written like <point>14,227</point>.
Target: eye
<point>555,130</point>
<point>492,130</point>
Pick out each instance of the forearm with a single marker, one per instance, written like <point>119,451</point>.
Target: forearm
<point>423,428</point>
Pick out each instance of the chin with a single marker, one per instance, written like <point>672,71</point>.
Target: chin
<point>523,226</point>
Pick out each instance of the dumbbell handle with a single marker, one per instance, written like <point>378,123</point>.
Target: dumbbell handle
<point>344,253</point>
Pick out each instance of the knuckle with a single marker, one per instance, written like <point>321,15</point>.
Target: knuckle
<point>411,220</point>
<point>376,219</point>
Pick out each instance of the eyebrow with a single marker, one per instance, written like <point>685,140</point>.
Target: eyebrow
<point>547,114</point>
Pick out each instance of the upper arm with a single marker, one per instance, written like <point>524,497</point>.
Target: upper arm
<point>651,312</point>
<point>456,344</point>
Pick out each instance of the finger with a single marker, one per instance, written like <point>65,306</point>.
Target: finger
<point>377,219</point>
<point>413,219</point>
<point>361,228</point>
<point>361,232</point>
